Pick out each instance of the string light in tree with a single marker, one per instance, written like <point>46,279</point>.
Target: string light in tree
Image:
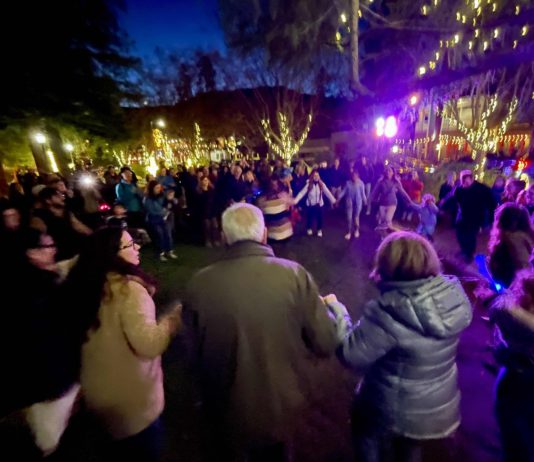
<point>285,144</point>
<point>479,12</point>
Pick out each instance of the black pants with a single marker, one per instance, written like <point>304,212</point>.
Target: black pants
<point>136,220</point>
<point>514,407</point>
<point>143,447</point>
<point>315,213</point>
<point>466,233</point>
<point>221,444</point>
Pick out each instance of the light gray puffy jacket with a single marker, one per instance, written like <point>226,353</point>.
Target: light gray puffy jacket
<point>406,344</point>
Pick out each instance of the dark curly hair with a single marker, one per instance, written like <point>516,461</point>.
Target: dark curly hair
<point>509,217</point>
<point>85,284</point>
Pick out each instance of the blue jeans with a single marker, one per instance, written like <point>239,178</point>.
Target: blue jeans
<point>353,215</point>
<point>161,235</point>
<point>514,409</point>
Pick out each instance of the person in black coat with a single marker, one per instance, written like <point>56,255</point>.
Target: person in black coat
<point>40,345</point>
<point>475,203</point>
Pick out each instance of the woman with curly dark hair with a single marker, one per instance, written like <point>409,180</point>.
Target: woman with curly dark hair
<point>121,375</point>
<point>511,242</point>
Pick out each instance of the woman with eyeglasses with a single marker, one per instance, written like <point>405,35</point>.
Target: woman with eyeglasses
<point>121,375</point>
<point>40,362</point>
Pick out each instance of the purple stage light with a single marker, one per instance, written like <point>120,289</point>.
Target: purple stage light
<point>391,128</point>
<point>380,125</point>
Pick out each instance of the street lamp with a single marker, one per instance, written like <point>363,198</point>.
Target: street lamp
<point>52,161</point>
<point>70,149</point>
<point>40,138</point>
<point>160,123</point>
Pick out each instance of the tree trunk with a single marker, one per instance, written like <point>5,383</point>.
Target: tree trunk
<point>3,178</point>
<point>355,84</point>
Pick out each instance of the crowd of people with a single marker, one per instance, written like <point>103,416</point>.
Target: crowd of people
<point>92,334</point>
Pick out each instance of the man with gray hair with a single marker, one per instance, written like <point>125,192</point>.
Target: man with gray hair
<point>258,320</point>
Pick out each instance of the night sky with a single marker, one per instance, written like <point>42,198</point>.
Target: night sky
<point>172,24</point>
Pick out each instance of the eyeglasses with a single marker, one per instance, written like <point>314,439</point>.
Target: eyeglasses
<point>46,246</point>
<point>130,244</point>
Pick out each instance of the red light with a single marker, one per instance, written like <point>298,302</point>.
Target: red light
<point>104,208</point>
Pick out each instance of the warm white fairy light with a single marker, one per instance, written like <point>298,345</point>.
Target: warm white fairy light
<point>286,146</point>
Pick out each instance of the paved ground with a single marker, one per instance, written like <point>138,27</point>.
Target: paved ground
<point>323,435</point>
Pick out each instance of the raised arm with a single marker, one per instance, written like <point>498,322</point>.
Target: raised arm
<point>328,194</point>
<point>369,340</point>
<point>147,337</point>
<point>301,194</point>
<point>319,328</point>
<point>342,193</point>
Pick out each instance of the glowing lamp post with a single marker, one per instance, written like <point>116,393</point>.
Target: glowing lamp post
<point>68,147</point>
<point>40,138</point>
<point>43,160</point>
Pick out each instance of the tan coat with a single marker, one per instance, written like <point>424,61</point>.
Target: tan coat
<point>121,375</point>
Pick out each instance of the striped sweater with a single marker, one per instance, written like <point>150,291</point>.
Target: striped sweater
<point>276,211</point>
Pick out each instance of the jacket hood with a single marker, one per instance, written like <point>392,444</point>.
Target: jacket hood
<point>436,306</point>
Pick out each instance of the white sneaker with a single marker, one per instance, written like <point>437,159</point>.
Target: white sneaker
<point>357,234</point>
<point>310,232</point>
<point>319,233</point>
<point>162,257</point>
<point>172,255</point>
<point>347,236</point>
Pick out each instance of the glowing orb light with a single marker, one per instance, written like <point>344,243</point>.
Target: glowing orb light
<point>380,125</point>
<point>391,128</point>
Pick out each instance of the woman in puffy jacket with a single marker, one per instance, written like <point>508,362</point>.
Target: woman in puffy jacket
<point>405,344</point>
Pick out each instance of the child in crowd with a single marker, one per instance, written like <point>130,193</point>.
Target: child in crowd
<point>428,216</point>
<point>170,204</point>
<point>405,344</point>
<point>314,192</point>
<point>119,219</point>
<point>355,199</point>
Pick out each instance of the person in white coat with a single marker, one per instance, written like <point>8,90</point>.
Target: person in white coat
<point>314,192</point>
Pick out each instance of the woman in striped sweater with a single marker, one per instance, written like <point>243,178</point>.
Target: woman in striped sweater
<point>275,203</point>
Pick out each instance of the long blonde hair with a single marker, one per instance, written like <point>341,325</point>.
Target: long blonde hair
<point>405,256</point>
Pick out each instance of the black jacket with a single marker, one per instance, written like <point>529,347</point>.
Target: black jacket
<point>475,204</point>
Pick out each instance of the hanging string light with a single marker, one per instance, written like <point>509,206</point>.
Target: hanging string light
<point>477,11</point>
